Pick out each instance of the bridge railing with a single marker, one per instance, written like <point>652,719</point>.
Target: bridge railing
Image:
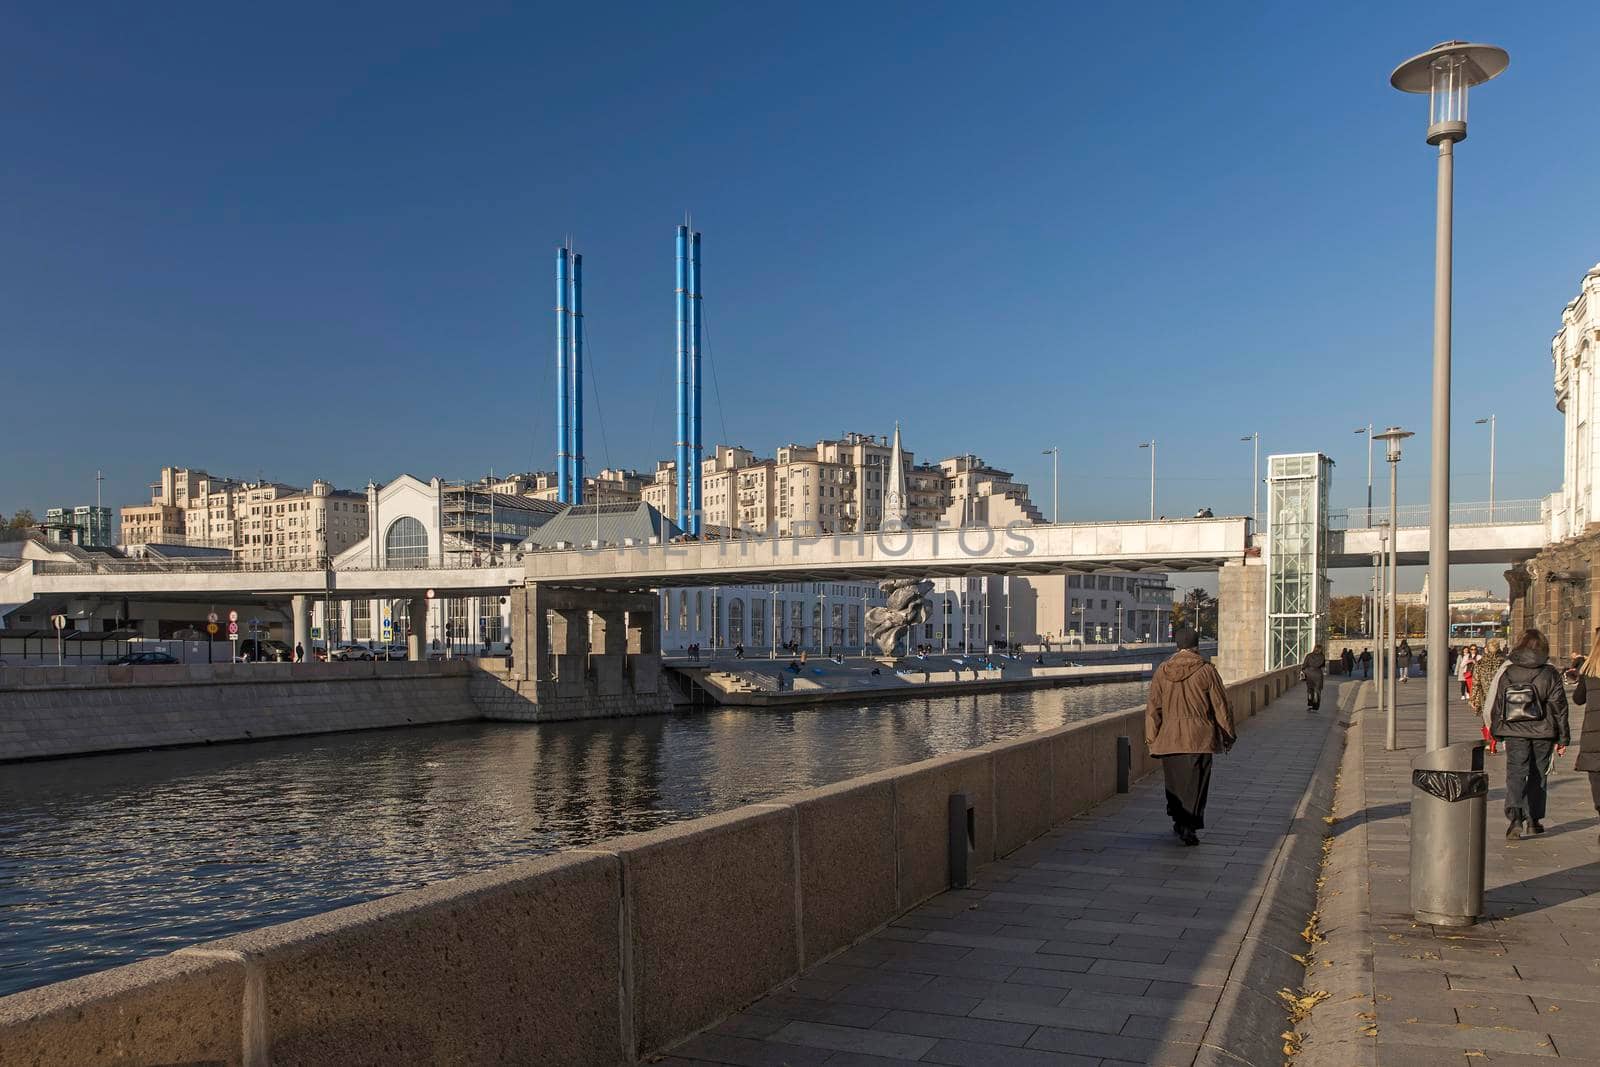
<point>226,566</point>
<point>1501,512</point>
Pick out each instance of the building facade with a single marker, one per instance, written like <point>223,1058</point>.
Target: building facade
<point>1556,590</point>
<point>302,529</point>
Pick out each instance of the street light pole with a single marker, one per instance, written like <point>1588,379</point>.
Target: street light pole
<point>1151,445</point>
<point>1490,421</point>
<point>1054,452</point>
<point>1391,439</point>
<point>1444,72</point>
<point>1367,430</point>
<point>1255,478</point>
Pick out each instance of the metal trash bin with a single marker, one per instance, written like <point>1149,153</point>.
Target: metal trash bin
<point>1449,794</point>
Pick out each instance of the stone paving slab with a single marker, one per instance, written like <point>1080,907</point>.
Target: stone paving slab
<point>1104,942</point>
<point>1523,986</point>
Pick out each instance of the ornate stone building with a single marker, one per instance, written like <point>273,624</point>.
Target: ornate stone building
<point>1554,591</point>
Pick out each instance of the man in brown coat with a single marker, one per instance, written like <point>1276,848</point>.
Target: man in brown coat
<point>1185,722</point>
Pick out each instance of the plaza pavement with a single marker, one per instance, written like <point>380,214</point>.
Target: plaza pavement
<point>1521,987</point>
<point>1103,942</point>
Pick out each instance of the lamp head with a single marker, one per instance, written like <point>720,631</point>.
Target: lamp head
<point>1392,438</point>
<point>1445,72</point>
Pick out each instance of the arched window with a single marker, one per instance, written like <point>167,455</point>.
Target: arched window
<point>406,543</point>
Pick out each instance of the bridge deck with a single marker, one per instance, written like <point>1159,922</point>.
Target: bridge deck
<point>1106,941</point>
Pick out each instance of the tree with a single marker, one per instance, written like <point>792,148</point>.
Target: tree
<point>1197,609</point>
<point>1345,614</point>
<point>17,527</point>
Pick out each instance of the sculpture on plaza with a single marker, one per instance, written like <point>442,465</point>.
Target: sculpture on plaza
<point>907,606</point>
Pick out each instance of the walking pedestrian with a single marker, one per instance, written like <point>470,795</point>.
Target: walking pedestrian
<point>1402,659</point>
<point>1480,672</point>
<point>1186,721</point>
<point>299,652</point>
<point>1589,744</point>
<point>1526,707</point>
<point>1366,663</point>
<point>1349,659</point>
<point>1311,673</point>
<point>1464,670</point>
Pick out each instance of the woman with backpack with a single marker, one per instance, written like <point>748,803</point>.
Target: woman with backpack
<point>1588,685</point>
<point>1526,707</point>
<point>1402,658</point>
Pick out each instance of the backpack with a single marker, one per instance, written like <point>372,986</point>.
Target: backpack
<point>1522,703</point>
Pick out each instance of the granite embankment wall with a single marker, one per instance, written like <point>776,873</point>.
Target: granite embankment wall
<point>57,711</point>
<point>67,711</point>
<point>604,955</point>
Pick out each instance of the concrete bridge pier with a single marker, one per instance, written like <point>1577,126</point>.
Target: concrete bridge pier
<point>300,614</point>
<point>582,653</point>
<point>1241,618</point>
<point>569,645</point>
<point>417,628</point>
<point>527,633</point>
<point>608,660</point>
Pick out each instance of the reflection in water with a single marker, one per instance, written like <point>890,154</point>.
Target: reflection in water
<point>107,859</point>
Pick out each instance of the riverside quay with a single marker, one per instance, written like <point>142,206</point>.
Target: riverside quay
<point>726,558</point>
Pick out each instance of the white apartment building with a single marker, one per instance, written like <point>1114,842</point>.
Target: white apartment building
<point>1574,353</point>
<point>307,528</point>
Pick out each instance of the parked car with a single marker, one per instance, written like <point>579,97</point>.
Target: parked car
<point>390,652</point>
<point>144,659</point>
<point>352,652</point>
<point>265,650</point>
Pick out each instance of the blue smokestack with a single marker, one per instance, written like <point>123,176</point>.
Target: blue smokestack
<point>682,455</point>
<point>575,449</point>
<point>696,446</point>
<point>562,440</point>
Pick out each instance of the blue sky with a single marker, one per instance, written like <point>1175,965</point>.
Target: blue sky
<point>313,240</point>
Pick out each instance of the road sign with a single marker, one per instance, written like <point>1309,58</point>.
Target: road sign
<point>211,617</point>
<point>58,621</point>
<point>316,633</point>
<point>233,616</point>
<point>233,629</point>
<point>211,628</point>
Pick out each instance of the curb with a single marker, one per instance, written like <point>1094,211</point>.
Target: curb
<point>1250,1018</point>
<point>1340,1031</point>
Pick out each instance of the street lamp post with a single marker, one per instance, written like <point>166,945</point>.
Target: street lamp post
<point>1054,452</point>
<point>1490,421</point>
<point>1151,445</point>
<point>1391,439</point>
<point>1380,596</point>
<point>1367,431</point>
<point>1255,478</point>
<point>1444,72</point>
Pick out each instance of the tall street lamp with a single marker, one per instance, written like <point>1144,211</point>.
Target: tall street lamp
<point>1392,438</point>
<point>1255,478</point>
<point>1151,445</point>
<point>1444,72</point>
<point>1054,452</point>
<point>1367,431</point>
<point>1490,422</point>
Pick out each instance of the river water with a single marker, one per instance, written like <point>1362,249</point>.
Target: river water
<point>108,859</point>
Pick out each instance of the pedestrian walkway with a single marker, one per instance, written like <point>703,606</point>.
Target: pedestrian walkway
<point>1520,987</point>
<point>1103,942</point>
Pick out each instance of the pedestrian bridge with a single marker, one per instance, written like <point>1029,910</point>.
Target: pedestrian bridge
<point>1164,546</point>
<point>1507,532</point>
